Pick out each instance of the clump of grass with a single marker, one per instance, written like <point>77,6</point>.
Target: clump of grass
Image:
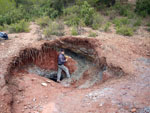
<point>107,26</point>
<point>138,22</point>
<point>125,30</point>
<point>55,28</point>
<point>22,26</point>
<point>1,28</point>
<point>124,10</point>
<point>97,21</point>
<point>74,31</point>
<point>148,24</point>
<point>112,14</point>
<point>121,21</point>
<point>92,34</point>
<point>43,21</point>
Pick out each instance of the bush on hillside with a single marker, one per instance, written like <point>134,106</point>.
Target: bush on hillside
<point>43,21</point>
<point>97,21</point>
<point>125,30</point>
<point>107,26</point>
<point>22,26</point>
<point>76,15</point>
<point>92,34</point>
<point>126,10</point>
<point>1,28</point>
<point>74,31</point>
<point>137,22</point>
<point>143,7</point>
<point>12,16</point>
<point>121,21</point>
<point>55,28</point>
<point>87,13</point>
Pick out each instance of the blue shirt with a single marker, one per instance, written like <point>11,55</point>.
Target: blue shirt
<point>61,59</point>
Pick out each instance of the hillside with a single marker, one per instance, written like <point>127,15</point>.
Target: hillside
<point>108,44</point>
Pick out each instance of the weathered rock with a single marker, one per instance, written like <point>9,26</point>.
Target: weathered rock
<point>106,75</point>
<point>44,84</point>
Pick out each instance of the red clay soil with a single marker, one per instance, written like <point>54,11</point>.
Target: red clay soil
<point>49,60</point>
<point>25,93</point>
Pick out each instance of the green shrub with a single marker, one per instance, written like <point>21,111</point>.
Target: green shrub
<point>92,34</point>
<point>143,7</point>
<point>121,21</point>
<point>124,9</point>
<point>74,31</point>
<point>111,13</point>
<point>1,28</point>
<point>137,22</point>
<point>107,26</point>
<point>148,25</point>
<point>22,26</point>
<point>43,21</point>
<point>13,16</point>
<point>80,15</point>
<point>55,28</point>
<point>87,13</point>
<point>125,30</point>
<point>97,21</point>
<point>72,20</point>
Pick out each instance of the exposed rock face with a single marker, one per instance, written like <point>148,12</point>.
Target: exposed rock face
<point>49,61</point>
<point>106,76</point>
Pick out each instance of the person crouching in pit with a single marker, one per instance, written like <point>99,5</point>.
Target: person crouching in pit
<point>61,60</point>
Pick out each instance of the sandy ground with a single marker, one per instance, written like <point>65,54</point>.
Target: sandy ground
<point>125,94</point>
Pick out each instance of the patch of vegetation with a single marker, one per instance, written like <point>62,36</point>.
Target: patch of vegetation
<point>92,34</point>
<point>107,26</point>
<point>43,21</point>
<point>78,13</point>
<point>74,31</point>
<point>125,30</point>
<point>125,26</point>
<point>143,7</point>
<point>148,25</point>
<point>124,10</point>
<point>55,28</point>
<point>121,21</point>
<point>97,21</point>
<point>82,15</point>
<point>22,26</point>
<point>137,22</point>
<point>1,28</point>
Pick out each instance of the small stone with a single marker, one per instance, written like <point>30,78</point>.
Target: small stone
<point>48,81</point>
<point>18,102</point>
<point>101,104</point>
<point>25,107</point>
<point>44,84</point>
<point>33,79</point>
<point>34,99</point>
<point>133,110</point>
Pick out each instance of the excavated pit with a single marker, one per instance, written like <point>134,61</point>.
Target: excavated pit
<point>86,65</point>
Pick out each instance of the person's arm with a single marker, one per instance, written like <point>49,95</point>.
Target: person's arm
<point>62,59</point>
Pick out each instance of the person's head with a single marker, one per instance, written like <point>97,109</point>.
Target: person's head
<point>62,51</point>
